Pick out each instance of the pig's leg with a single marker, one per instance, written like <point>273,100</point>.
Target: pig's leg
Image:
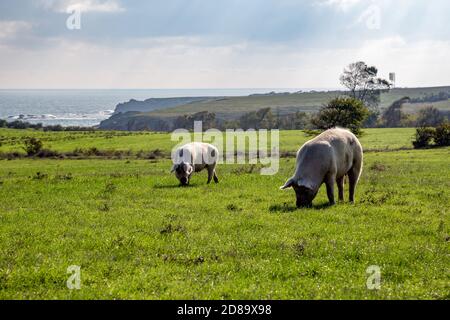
<point>353,176</point>
<point>216,180</point>
<point>330,188</point>
<point>340,184</point>
<point>210,174</point>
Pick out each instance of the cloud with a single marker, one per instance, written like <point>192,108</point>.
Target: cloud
<point>371,17</point>
<point>343,5</point>
<point>105,6</point>
<point>10,29</point>
<point>417,63</point>
<point>221,43</point>
<point>192,63</point>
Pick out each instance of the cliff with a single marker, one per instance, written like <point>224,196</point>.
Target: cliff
<point>157,104</point>
<point>137,121</point>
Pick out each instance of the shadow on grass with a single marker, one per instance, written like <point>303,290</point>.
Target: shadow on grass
<point>283,208</point>
<point>321,206</point>
<point>286,208</point>
<point>173,186</point>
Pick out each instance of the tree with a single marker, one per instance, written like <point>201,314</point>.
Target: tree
<point>261,119</point>
<point>342,112</point>
<point>430,117</point>
<point>32,146</point>
<point>293,121</point>
<point>372,118</point>
<point>363,83</point>
<point>300,120</point>
<point>442,135</point>
<point>208,120</point>
<point>392,117</point>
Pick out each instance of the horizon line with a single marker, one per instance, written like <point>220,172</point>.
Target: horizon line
<point>225,88</point>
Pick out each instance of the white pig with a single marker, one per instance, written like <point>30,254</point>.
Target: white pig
<point>328,158</point>
<point>194,157</point>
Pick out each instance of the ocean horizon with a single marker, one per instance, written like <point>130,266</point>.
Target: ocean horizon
<point>88,107</point>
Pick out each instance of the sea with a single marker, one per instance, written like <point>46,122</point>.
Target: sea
<point>89,107</point>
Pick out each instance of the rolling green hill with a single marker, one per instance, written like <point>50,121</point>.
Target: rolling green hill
<point>288,103</point>
<point>231,108</point>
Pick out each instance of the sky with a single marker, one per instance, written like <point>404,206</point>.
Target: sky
<point>109,44</point>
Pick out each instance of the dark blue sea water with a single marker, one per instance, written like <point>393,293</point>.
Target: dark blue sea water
<point>89,107</point>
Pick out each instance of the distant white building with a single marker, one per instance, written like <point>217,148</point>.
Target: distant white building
<point>392,78</point>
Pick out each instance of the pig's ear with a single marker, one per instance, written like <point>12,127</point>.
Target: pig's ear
<point>288,184</point>
<point>175,166</point>
<point>190,169</point>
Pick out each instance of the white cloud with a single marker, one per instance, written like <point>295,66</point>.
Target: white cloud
<point>192,63</point>
<point>106,6</point>
<point>371,17</point>
<point>421,63</point>
<point>343,5</point>
<point>10,29</point>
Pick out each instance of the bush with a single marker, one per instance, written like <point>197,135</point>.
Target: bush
<point>424,136</point>
<point>46,153</point>
<point>342,112</point>
<point>32,146</point>
<point>17,124</point>
<point>442,135</point>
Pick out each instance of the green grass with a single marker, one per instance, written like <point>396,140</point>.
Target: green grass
<point>12,140</point>
<point>230,107</point>
<point>136,235</point>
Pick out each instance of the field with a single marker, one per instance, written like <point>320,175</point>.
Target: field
<point>232,108</point>
<point>290,141</point>
<point>137,235</point>
<point>290,103</point>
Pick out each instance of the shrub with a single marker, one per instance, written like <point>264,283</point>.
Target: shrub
<point>93,151</point>
<point>18,124</point>
<point>424,136</point>
<point>46,153</point>
<point>32,146</point>
<point>442,135</point>
<point>342,112</point>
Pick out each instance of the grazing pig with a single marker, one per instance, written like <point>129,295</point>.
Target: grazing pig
<point>194,157</point>
<point>327,159</point>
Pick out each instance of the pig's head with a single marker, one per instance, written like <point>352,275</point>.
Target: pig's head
<point>305,194</point>
<point>183,172</point>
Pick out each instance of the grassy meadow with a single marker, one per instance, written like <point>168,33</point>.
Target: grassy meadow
<point>12,140</point>
<point>137,235</point>
<point>229,107</point>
